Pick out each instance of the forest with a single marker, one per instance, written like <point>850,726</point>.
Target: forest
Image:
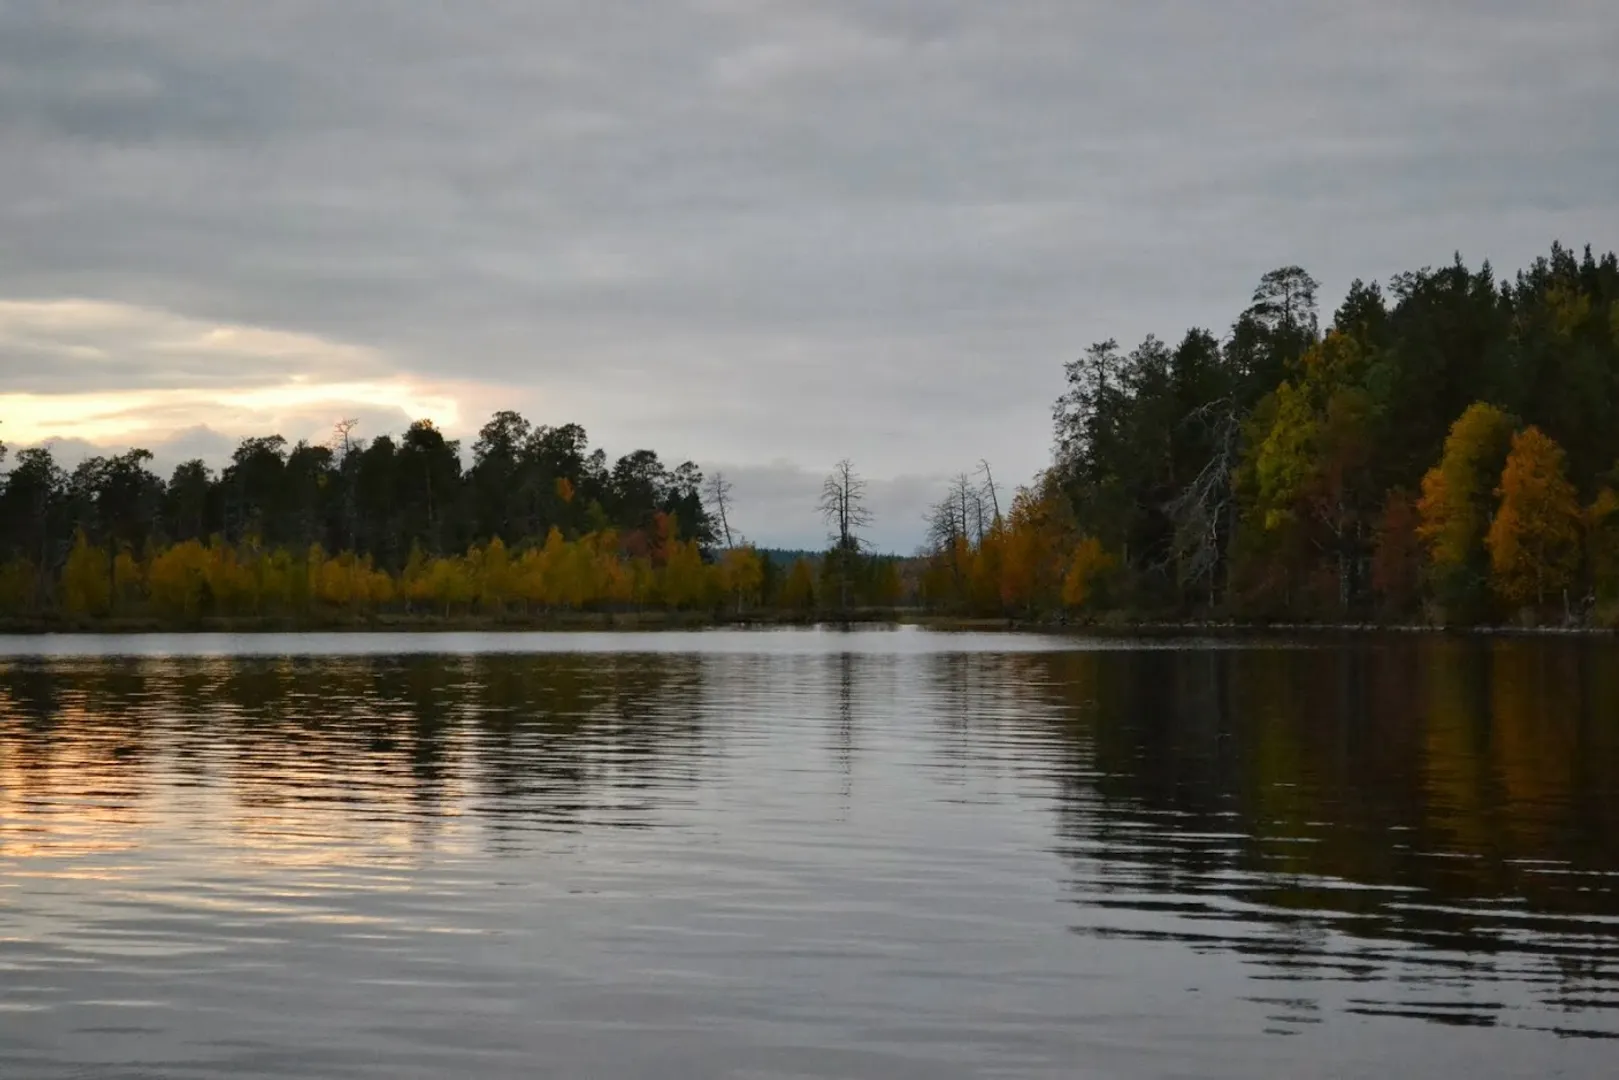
<point>538,523</point>
<point>1440,451</point>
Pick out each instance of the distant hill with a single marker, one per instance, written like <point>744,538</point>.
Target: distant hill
<point>786,556</point>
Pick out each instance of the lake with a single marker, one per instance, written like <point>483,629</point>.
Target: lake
<point>887,854</point>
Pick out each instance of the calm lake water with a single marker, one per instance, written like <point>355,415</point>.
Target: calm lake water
<point>887,854</point>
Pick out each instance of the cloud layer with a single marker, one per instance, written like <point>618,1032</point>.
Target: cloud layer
<point>739,230</point>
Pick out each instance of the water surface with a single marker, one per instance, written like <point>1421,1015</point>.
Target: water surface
<point>806,854</point>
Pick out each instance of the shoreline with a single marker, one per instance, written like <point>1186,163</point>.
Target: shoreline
<point>640,621</point>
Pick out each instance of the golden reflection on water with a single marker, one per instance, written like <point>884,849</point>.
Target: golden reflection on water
<point>1457,797</point>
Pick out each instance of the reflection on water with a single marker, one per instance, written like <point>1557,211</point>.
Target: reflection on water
<point>796,860</point>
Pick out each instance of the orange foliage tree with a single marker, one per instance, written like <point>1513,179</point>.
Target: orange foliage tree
<point>1087,569</point>
<point>1032,560</point>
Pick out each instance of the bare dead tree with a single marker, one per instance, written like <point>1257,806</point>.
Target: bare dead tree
<point>957,516</point>
<point>954,519</point>
<point>944,525</point>
<point>843,508</point>
<point>1203,509</point>
<point>340,434</point>
<point>340,438</point>
<point>970,499</point>
<point>719,496</point>
<point>989,489</point>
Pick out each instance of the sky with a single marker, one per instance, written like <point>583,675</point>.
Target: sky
<point>760,235</point>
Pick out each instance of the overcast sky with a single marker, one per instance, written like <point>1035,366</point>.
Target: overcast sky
<point>761,235</point>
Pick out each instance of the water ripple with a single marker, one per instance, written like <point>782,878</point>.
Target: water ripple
<point>779,855</point>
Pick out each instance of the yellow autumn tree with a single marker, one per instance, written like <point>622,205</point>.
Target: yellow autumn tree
<point>232,587</point>
<point>349,581</point>
<point>449,583</point>
<point>86,587</point>
<point>177,579</point>
<point>495,578</point>
<point>328,583</point>
<point>282,582</point>
<point>1534,541</point>
<point>572,569</point>
<point>562,573</point>
<point>1453,512</point>
<point>379,584</point>
<point>128,580</point>
<point>531,572</point>
<point>685,580</point>
<point>741,572</point>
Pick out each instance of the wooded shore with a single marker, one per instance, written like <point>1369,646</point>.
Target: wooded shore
<point>655,620</point>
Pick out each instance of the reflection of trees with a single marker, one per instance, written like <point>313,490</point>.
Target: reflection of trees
<point>1451,795</point>
<point>67,797</point>
<point>354,751</point>
<point>843,748</point>
<point>563,739</point>
<point>1444,793</point>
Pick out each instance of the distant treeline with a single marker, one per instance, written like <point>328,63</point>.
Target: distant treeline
<point>538,522</point>
<point>1445,449</point>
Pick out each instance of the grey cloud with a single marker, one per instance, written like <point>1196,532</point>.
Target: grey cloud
<point>74,345</point>
<point>194,443</point>
<point>184,442</point>
<point>750,230</point>
<point>191,444</point>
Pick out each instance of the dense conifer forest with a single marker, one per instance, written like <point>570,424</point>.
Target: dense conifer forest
<point>1441,449</point>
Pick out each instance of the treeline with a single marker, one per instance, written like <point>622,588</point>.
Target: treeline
<point>538,522</point>
<point>1444,449</point>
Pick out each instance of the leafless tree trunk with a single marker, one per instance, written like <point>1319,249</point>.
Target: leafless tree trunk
<point>340,437</point>
<point>1202,510</point>
<point>340,433</point>
<point>719,494</point>
<point>989,489</point>
<point>843,508</point>
<point>951,518</point>
<point>955,518</point>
